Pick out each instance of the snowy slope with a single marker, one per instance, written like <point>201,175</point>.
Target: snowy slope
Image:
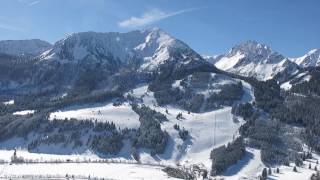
<point>249,167</point>
<point>312,58</point>
<point>32,47</point>
<point>304,173</point>
<point>257,60</point>
<point>297,79</point>
<point>122,116</point>
<point>195,150</point>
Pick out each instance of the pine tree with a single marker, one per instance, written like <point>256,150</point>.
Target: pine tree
<point>269,171</point>
<point>315,168</point>
<point>295,169</point>
<point>309,165</point>
<point>205,174</point>
<point>264,173</point>
<point>278,170</point>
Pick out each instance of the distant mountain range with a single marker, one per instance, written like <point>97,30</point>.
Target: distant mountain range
<point>253,59</point>
<point>143,50</point>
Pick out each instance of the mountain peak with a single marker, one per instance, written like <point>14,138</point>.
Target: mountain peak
<point>152,46</point>
<point>255,59</point>
<point>312,58</point>
<point>251,47</point>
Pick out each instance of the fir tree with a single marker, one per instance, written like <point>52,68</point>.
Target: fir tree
<point>264,173</point>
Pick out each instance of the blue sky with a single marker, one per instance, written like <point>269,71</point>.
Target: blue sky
<point>291,27</point>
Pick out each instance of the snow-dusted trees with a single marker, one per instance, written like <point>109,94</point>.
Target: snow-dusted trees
<point>224,156</point>
<point>149,134</point>
<point>264,174</point>
<point>243,110</point>
<point>15,158</point>
<point>110,143</point>
<point>183,134</point>
<point>315,176</point>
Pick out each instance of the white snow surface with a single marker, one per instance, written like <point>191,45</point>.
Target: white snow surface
<point>83,171</point>
<point>304,173</point>
<point>24,112</point>
<point>11,102</point>
<point>226,63</point>
<point>122,116</point>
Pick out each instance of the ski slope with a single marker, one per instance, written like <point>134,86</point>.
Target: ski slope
<point>122,116</point>
<point>196,149</point>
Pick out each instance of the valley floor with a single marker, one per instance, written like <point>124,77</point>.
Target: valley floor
<point>82,171</point>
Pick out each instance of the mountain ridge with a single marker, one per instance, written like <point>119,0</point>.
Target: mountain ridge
<point>32,47</point>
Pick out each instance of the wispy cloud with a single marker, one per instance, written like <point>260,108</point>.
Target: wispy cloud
<point>150,17</point>
<point>9,27</point>
<point>29,2</point>
<point>33,3</point>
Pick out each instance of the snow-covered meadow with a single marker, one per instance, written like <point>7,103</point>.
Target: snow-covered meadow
<point>122,116</point>
<point>82,171</point>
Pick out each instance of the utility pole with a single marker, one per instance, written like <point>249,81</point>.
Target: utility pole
<point>214,130</point>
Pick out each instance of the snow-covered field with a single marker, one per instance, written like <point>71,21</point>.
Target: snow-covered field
<point>24,112</point>
<point>122,116</point>
<point>304,173</point>
<point>5,155</point>
<point>11,102</point>
<point>82,171</point>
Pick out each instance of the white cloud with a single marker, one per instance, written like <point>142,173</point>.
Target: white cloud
<point>150,17</point>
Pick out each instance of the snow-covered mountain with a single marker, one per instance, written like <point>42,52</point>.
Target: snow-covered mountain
<point>111,56</point>
<point>150,47</point>
<point>31,47</point>
<point>312,58</point>
<point>253,59</point>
